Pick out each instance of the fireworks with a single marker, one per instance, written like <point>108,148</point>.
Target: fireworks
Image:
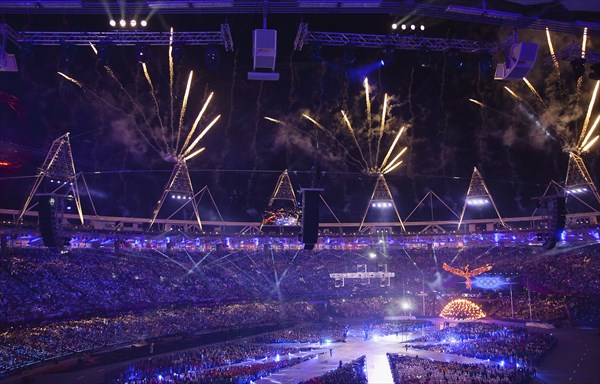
<point>583,43</point>
<point>78,83</point>
<point>371,163</point>
<point>166,139</point>
<point>560,118</point>
<point>479,102</point>
<point>533,90</point>
<point>583,137</point>
<point>552,54</point>
<point>512,93</point>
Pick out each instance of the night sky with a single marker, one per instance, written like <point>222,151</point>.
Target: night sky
<point>447,135</point>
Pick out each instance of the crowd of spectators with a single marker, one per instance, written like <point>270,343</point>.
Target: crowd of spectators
<point>52,304</point>
<point>40,284</point>
<point>494,342</point>
<point>21,346</point>
<point>221,363</point>
<point>414,370</point>
<point>349,373</point>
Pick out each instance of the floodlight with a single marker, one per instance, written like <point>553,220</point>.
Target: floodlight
<point>133,22</point>
<point>122,23</point>
<point>112,23</point>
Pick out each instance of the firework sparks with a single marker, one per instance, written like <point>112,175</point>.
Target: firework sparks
<point>171,75</point>
<point>393,162</point>
<point>315,122</point>
<point>347,121</point>
<point>387,156</point>
<point>590,133</point>
<point>590,144</point>
<point>369,118</point>
<point>534,91</point>
<point>589,112</point>
<point>478,102</point>
<point>197,121</point>
<point>367,100</point>
<point>149,80</point>
<point>193,154</point>
<point>274,120</point>
<point>370,137</point>
<point>393,167</point>
<point>584,43</point>
<point>72,80</point>
<point>171,142</point>
<point>552,54</point>
<point>512,93</point>
<point>183,108</point>
<point>185,152</point>
<point>382,126</point>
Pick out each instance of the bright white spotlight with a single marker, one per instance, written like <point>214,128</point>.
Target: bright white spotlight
<point>412,27</point>
<point>422,27</point>
<point>112,23</point>
<point>143,23</point>
<point>394,26</point>
<point>405,305</point>
<point>372,255</point>
<point>122,23</point>
<point>403,27</point>
<point>133,22</point>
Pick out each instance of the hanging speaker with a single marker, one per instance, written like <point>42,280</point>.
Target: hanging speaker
<point>556,223</point>
<point>264,43</point>
<point>50,211</point>
<point>310,217</point>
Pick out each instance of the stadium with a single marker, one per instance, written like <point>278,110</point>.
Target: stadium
<point>299,191</point>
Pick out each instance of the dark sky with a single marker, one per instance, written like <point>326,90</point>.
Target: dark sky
<point>447,134</point>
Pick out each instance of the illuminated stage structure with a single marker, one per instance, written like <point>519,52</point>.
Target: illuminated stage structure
<point>179,188</point>
<point>59,170</point>
<point>282,210</point>
<point>466,273</point>
<point>478,195</point>
<point>381,199</point>
<point>462,310</point>
<point>578,182</point>
<point>365,277</point>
